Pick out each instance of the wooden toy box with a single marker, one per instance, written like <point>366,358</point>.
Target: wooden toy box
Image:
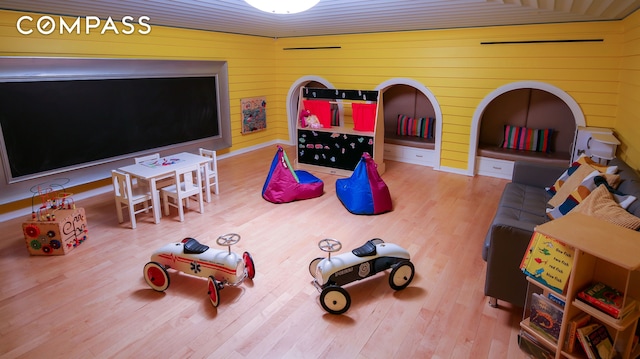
<point>58,236</point>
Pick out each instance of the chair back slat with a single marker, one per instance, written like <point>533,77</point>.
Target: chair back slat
<point>122,185</point>
<point>188,180</point>
<point>151,157</point>
<point>210,172</point>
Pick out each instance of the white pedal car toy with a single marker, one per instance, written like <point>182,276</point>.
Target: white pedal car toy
<point>191,257</point>
<point>375,256</point>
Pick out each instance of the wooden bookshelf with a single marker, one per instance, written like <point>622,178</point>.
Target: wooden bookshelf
<point>338,149</point>
<point>606,253</point>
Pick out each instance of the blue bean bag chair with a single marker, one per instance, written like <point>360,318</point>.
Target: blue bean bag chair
<point>364,192</point>
<point>283,184</point>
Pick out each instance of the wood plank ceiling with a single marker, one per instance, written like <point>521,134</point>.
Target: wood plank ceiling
<point>332,17</point>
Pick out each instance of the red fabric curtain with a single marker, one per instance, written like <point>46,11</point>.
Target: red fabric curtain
<point>364,116</point>
<point>320,108</point>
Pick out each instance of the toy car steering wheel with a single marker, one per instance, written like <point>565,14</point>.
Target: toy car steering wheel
<point>228,239</point>
<point>330,245</point>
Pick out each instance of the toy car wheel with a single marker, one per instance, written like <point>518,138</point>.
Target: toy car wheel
<point>401,275</point>
<point>248,265</point>
<point>314,265</point>
<point>214,294</point>
<point>156,276</point>
<point>228,239</point>
<point>335,300</point>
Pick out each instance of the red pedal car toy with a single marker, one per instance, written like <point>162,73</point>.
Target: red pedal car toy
<point>191,257</point>
<point>375,256</point>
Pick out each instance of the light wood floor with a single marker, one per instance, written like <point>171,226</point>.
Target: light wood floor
<point>94,302</point>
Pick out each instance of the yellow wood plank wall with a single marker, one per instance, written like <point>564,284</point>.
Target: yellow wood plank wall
<point>627,126</point>
<point>460,71</point>
<point>603,77</point>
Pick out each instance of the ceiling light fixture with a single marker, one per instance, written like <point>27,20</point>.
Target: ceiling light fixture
<point>283,6</point>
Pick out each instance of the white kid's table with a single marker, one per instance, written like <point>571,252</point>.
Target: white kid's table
<point>154,170</point>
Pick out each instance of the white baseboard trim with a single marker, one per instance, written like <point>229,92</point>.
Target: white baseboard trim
<point>454,170</point>
<point>26,212</point>
<point>253,148</point>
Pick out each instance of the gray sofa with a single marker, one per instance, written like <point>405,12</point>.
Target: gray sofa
<point>521,208</point>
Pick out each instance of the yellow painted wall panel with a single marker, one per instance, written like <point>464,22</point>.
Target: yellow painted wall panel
<point>595,98</point>
<point>627,126</point>
<point>455,147</point>
<point>457,157</point>
<point>448,163</point>
<point>632,62</point>
<point>453,64</point>
<point>452,119</point>
<point>460,71</point>
<point>455,137</point>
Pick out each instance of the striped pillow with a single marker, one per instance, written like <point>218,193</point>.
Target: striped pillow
<point>416,127</point>
<point>522,138</point>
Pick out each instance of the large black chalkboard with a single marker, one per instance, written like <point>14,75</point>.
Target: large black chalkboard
<point>48,125</point>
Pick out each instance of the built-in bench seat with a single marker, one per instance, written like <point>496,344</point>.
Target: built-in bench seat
<point>410,141</point>
<point>530,108</point>
<point>552,158</point>
<point>408,101</point>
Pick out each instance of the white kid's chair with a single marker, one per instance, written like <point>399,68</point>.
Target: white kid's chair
<point>188,183</point>
<point>128,196</point>
<point>153,156</point>
<point>210,173</point>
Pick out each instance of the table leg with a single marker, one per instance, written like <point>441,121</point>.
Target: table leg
<point>207,183</point>
<point>156,200</point>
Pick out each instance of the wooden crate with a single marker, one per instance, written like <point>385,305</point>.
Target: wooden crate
<point>58,236</point>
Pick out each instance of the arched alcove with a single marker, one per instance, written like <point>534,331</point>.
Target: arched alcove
<point>402,96</point>
<point>294,95</point>
<point>528,104</point>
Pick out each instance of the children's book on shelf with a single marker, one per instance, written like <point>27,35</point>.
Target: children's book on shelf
<point>548,261</point>
<point>601,343</point>
<point>531,346</point>
<point>546,317</point>
<point>578,321</point>
<point>607,299</point>
<point>556,299</point>
<point>582,339</point>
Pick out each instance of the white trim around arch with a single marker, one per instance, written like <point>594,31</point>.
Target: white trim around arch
<point>477,115</point>
<point>434,102</point>
<point>292,103</point>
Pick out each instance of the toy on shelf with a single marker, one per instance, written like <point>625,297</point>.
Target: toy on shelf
<point>375,256</point>
<point>189,256</point>
<point>307,119</point>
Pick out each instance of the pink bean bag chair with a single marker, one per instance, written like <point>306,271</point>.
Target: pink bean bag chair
<point>283,184</point>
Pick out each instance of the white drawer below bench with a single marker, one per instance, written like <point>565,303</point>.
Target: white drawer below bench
<point>494,167</point>
<point>407,154</point>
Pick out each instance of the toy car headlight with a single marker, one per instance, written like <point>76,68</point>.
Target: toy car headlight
<point>240,269</point>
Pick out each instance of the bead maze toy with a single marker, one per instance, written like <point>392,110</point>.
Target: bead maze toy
<point>56,226</point>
